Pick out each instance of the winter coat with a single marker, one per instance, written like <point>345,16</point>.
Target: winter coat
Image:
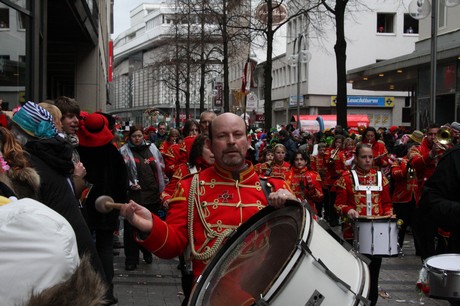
<point>440,202</point>
<point>106,171</point>
<point>51,158</point>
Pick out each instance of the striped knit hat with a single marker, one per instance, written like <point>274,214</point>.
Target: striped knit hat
<point>35,121</point>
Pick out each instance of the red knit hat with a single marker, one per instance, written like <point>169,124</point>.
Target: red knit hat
<point>393,129</point>
<point>94,131</point>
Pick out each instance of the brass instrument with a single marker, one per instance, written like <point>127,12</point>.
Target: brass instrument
<point>444,136</point>
<point>333,155</point>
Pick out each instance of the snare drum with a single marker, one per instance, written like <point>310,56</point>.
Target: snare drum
<point>282,257</point>
<point>444,276</point>
<point>376,236</point>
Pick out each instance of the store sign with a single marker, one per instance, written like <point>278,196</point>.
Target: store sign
<point>251,101</point>
<point>366,101</point>
<point>293,100</point>
<point>260,117</point>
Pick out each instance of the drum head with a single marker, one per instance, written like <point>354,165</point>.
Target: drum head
<point>251,260</point>
<point>449,262</point>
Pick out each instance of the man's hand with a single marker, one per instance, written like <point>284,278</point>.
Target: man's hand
<point>79,170</point>
<point>352,214</point>
<point>278,199</point>
<point>139,216</point>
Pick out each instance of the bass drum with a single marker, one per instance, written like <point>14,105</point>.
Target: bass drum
<point>282,257</point>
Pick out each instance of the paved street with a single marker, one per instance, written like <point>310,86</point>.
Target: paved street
<point>159,283</point>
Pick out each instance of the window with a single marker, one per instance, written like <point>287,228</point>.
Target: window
<point>442,14</point>
<point>22,21</point>
<point>4,18</point>
<point>385,22</point>
<point>410,24</point>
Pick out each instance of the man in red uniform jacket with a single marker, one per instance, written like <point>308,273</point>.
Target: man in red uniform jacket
<point>424,158</point>
<point>208,206</point>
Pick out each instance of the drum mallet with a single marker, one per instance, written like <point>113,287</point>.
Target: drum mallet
<point>105,204</point>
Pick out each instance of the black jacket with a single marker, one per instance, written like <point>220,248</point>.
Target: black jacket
<point>106,170</point>
<point>51,158</point>
<point>440,201</point>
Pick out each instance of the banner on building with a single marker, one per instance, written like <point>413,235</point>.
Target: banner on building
<point>110,68</point>
<point>218,99</point>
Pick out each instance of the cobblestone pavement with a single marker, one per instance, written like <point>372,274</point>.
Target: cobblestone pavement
<point>159,284</point>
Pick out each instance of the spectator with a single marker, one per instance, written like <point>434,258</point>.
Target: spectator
<point>51,156</point>
<point>205,120</point>
<point>146,181</point>
<point>161,134</point>
<point>106,172</point>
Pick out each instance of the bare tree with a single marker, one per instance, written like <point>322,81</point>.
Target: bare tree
<point>340,49</point>
<point>273,18</point>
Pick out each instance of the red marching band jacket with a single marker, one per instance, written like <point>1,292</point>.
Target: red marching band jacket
<point>348,197</point>
<point>306,185</point>
<point>206,207</point>
<point>405,181</point>
<point>424,166</point>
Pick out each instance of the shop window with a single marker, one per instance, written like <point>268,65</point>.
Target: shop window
<point>4,18</point>
<point>385,22</point>
<point>410,25</point>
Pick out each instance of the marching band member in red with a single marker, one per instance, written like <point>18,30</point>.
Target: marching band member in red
<point>425,158</point>
<point>335,164</point>
<point>199,159</point>
<point>305,183</point>
<point>379,150</point>
<point>178,154</point>
<point>364,192</point>
<point>267,157</point>
<point>173,136</point>
<point>278,167</point>
<point>209,205</point>
<point>405,188</point>
<point>349,152</point>
<point>317,162</point>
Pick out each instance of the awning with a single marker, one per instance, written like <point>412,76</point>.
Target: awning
<point>315,123</point>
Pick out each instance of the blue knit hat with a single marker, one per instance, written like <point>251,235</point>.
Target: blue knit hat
<point>35,121</point>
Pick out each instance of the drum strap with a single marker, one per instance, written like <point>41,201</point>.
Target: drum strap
<point>368,189</point>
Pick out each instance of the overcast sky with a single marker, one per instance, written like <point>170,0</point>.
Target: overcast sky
<point>121,9</point>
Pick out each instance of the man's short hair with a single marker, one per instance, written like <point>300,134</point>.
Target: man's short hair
<point>283,133</point>
<point>67,105</point>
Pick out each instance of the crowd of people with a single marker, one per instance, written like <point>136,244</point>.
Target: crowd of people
<point>188,189</point>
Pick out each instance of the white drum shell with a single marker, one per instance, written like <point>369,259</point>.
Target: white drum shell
<point>309,280</point>
<point>376,237</point>
<point>444,276</point>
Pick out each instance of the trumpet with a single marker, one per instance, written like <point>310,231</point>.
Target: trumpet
<point>333,155</point>
<point>444,136</point>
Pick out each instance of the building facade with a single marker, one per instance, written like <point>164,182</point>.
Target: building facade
<point>412,71</point>
<point>379,31</point>
<point>52,48</point>
<point>158,65</point>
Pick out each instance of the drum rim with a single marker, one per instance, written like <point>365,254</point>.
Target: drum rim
<point>440,270</point>
<point>252,221</point>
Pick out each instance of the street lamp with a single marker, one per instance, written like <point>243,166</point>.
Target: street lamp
<point>302,56</point>
<point>420,9</point>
